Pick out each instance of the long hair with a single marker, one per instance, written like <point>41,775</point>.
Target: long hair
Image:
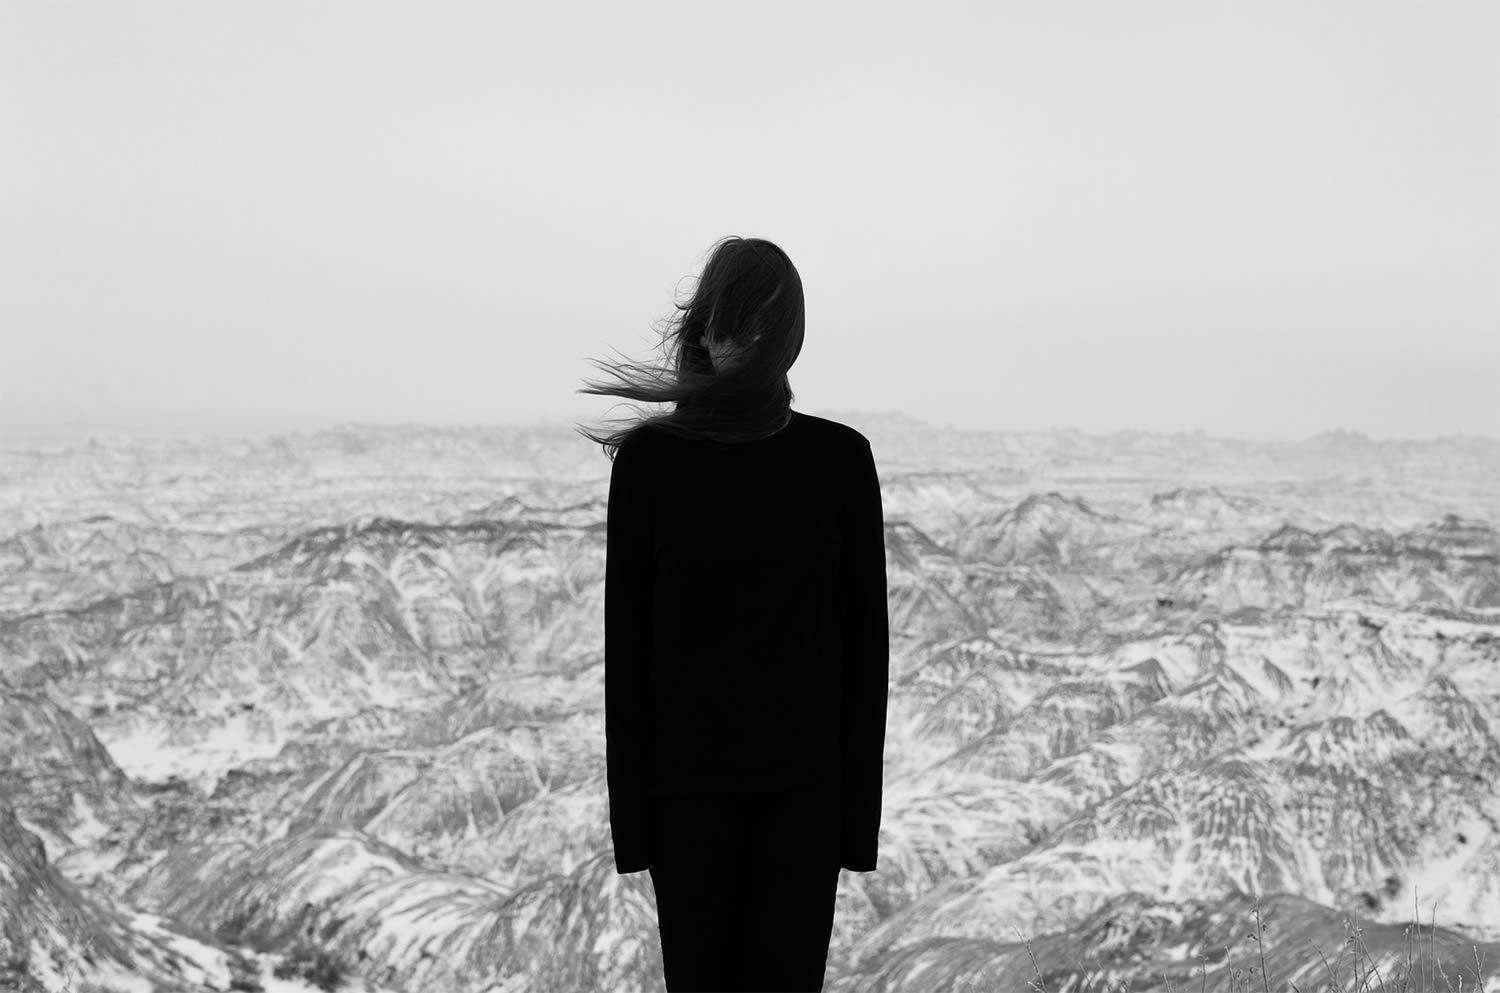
<point>750,298</point>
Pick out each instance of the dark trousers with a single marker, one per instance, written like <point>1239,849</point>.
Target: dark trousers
<point>745,888</point>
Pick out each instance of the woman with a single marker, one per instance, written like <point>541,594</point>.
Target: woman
<point>746,640</point>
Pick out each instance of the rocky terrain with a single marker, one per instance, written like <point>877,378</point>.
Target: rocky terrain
<point>327,710</point>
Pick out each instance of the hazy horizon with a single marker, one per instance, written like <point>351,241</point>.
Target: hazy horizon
<point>232,428</point>
<point>1260,221</point>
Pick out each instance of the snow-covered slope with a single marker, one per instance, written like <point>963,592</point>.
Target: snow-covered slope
<point>339,699</point>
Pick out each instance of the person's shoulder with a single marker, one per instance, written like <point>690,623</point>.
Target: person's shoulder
<point>836,431</point>
<point>638,445</point>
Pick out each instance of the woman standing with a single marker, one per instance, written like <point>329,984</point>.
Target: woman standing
<point>746,640</point>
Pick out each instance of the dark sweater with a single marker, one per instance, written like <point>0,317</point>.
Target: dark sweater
<point>746,634</point>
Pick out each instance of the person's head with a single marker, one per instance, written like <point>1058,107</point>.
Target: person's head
<point>723,355</point>
<point>730,348</point>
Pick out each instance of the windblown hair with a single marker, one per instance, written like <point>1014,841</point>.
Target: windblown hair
<point>749,297</point>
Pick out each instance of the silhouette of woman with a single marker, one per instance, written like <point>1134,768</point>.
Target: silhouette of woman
<point>746,640</point>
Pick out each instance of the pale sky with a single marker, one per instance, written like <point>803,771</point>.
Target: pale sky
<point>1262,219</point>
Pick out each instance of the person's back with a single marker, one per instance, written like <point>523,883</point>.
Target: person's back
<point>756,587</point>
<point>746,644</point>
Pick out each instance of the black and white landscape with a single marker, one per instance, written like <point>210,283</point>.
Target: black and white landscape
<point>327,709</point>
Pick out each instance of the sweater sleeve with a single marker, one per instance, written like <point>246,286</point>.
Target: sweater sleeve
<point>628,581</point>
<point>866,668</point>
